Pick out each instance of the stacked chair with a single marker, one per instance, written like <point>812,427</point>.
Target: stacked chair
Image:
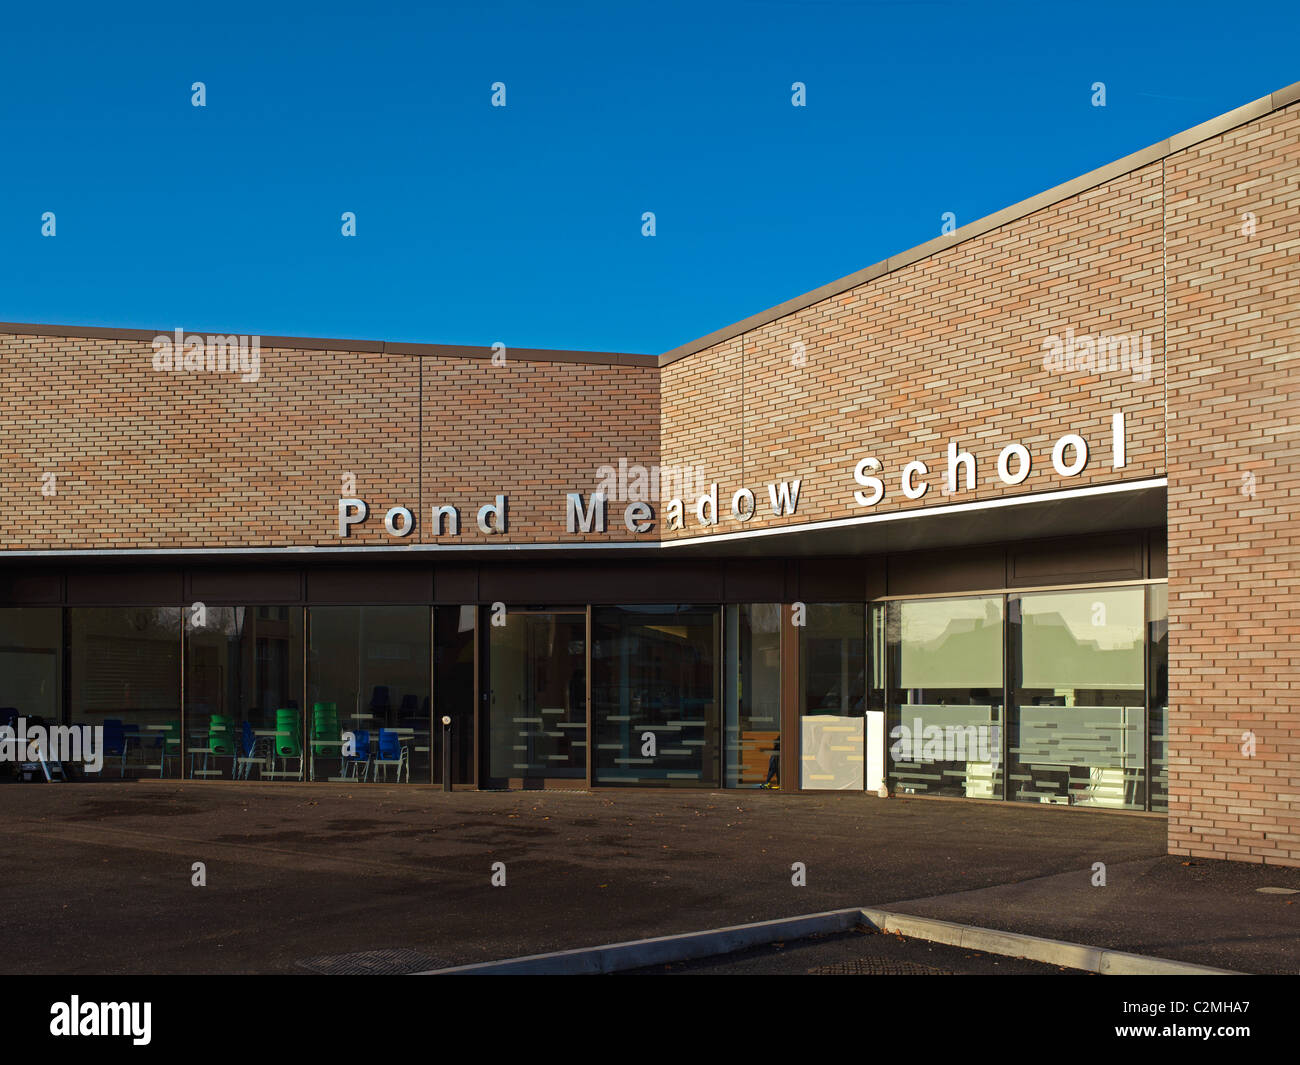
<point>325,734</point>
<point>221,742</point>
<point>288,739</point>
<point>253,751</point>
<point>357,766</point>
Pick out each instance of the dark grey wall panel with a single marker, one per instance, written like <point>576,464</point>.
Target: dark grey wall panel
<point>832,580</point>
<point>236,586</point>
<point>399,584</point>
<point>563,583</point>
<point>966,569</point>
<point>1108,557</point>
<point>456,583</point>
<point>575,581</point>
<point>26,587</point>
<point>754,581</point>
<point>1158,563</point>
<point>111,585</point>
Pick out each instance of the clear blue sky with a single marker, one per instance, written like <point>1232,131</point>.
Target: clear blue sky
<point>523,224</point>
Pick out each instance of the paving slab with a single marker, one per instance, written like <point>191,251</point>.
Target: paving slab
<point>1226,914</point>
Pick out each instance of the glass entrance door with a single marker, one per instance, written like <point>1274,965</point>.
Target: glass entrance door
<point>752,694</point>
<point>537,709</point>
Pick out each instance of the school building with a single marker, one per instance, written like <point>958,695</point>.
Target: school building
<point>1012,516</point>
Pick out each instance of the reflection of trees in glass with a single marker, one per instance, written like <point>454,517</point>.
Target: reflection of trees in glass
<point>1053,656</point>
<point>949,643</point>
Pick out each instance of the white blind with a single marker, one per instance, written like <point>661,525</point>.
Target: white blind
<point>951,643</point>
<point>1091,640</point>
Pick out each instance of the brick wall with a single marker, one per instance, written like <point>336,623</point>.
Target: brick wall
<point>536,431</point>
<point>148,459</point>
<point>1234,493</point>
<point>948,347</point>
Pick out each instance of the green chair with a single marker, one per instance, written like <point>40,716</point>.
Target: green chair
<point>325,733</point>
<point>325,726</point>
<point>221,739</point>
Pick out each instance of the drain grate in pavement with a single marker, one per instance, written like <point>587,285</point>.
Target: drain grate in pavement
<point>878,967</point>
<point>372,963</point>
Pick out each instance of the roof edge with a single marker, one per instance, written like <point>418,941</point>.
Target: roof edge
<point>1265,105</point>
<point>382,347</point>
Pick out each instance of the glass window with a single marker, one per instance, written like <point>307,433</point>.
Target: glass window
<point>753,695</point>
<point>945,696</point>
<point>1158,689</point>
<point>1078,702</point>
<point>368,693</point>
<point>453,688</point>
<point>537,710</point>
<point>243,684</point>
<point>31,675</point>
<point>31,663</point>
<point>654,691</point>
<point>833,695</point>
<point>125,675</point>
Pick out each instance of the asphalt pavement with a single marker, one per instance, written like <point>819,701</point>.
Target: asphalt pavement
<point>100,878</point>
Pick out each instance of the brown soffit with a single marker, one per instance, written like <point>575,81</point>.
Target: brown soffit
<point>1215,126</point>
<point>390,347</point>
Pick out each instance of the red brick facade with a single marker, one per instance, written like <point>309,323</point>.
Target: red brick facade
<point>948,348</point>
<point>1233,206</point>
<point>143,458</point>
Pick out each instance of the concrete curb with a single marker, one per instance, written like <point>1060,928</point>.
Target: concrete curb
<point>639,953</point>
<point>1035,948</point>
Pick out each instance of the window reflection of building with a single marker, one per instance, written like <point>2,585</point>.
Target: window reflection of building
<point>654,702</point>
<point>833,696</point>
<point>243,667</point>
<point>944,708</point>
<point>1158,698</point>
<point>681,695</point>
<point>125,675</point>
<point>1078,726</point>
<point>368,676</point>
<point>537,705</point>
<point>752,682</point>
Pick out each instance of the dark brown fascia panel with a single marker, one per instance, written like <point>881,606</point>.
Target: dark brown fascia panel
<point>379,347</point>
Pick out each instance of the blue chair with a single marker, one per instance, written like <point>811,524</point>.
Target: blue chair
<point>115,742</point>
<point>392,752</point>
<point>358,765</point>
<point>253,751</point>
